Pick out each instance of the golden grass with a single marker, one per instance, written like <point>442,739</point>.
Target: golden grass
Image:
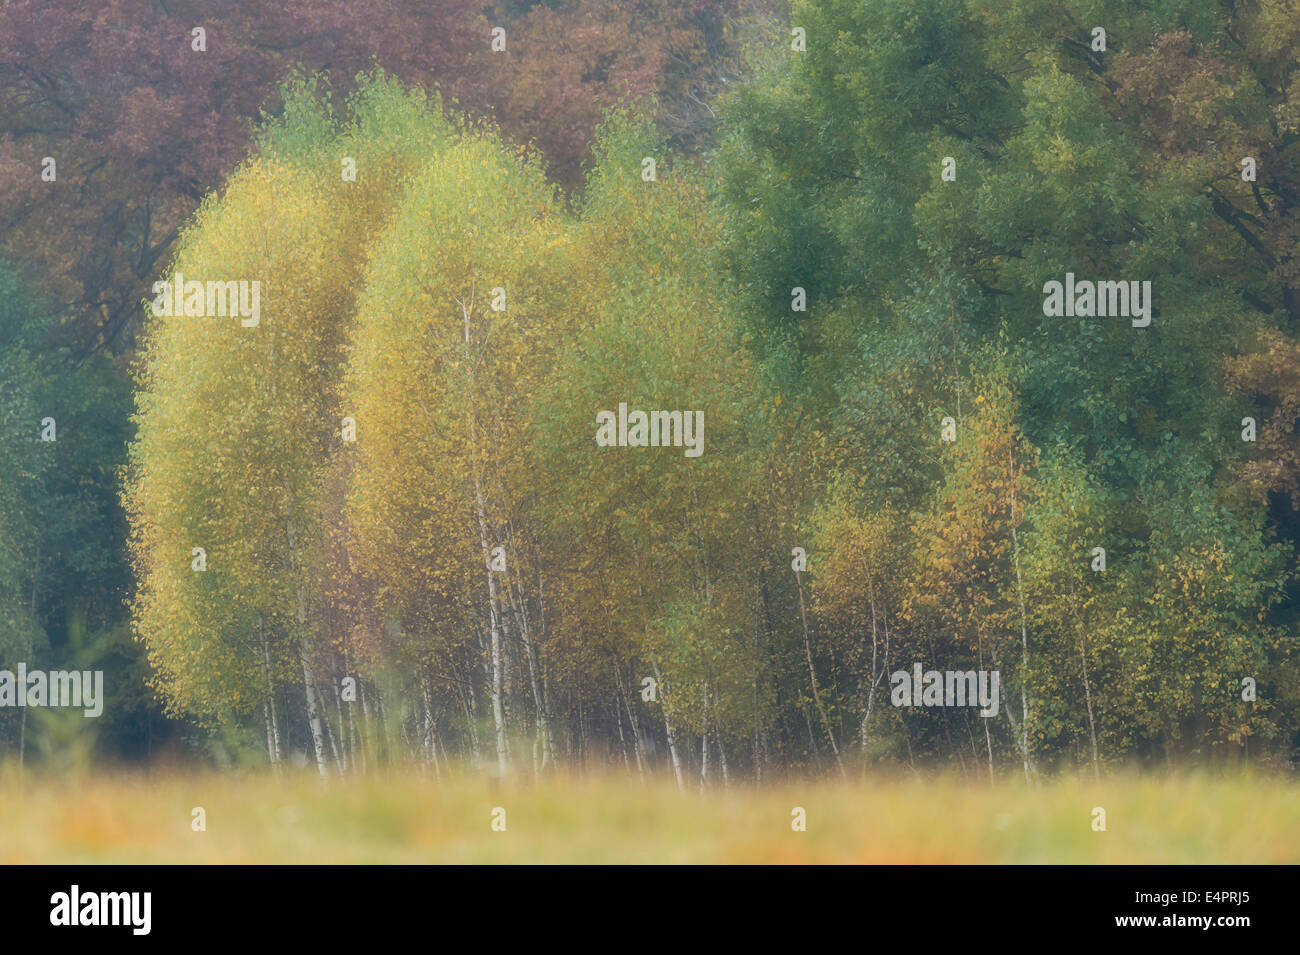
<point>408,819</point>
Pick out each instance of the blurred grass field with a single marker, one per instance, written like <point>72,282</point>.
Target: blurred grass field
<point>297,818</point>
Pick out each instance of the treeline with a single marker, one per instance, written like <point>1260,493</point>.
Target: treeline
<point>144,108</point>
<point>377,525</point>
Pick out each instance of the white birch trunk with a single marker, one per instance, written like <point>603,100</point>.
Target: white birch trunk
<point>812,675</point>
<point>498,709</point>
<point>668,729</point>
<point>313,708</point>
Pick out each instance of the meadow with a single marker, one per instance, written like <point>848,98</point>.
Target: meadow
<point>297,818</point>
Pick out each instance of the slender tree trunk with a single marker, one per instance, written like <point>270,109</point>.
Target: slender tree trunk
<point>498,711</point>
<point>367,727</point>
<point>541,668</point>
<point>275,731</point>
<point>520,609</point>
<point>988,738</point>
<point>313,708</point>
<point>550,708</point>
<point>22,720</point>
<point>471,723</point>
<point>330,732</point>
<point>582,735</point>
<point>1087,695</point>
<point>722,752</point>
<point>668,729</point>
<point>631,716</point>
<point>1024,650</point>
<point>308,674</point>
<point>343,756</point>
<point>385,755</point>
<point>270,742</point>
<point>812,675</point>
<point>429,754</point>
<point>622,738</point>
<point>761,617</point>
<point>272,718</point>
<point>704,744</point>
<point>876,673</point>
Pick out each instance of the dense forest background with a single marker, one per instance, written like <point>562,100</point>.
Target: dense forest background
<point>839,259</point>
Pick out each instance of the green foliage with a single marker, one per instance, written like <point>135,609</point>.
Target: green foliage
<point>1067,159</point>
<point>62,563</point>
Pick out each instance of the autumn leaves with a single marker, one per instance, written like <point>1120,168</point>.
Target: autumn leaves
<point>418,397</point>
